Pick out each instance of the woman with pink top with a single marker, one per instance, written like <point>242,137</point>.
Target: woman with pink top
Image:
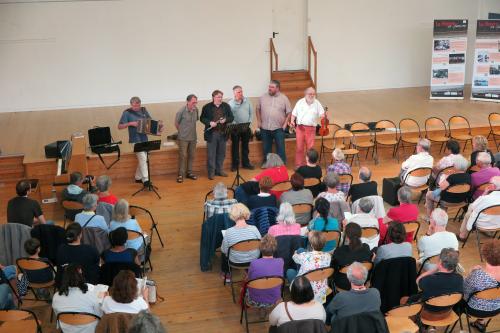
<point>286,223</point>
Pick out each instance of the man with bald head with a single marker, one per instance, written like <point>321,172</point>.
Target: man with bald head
<point>305,117</point>
<point>357,300</point>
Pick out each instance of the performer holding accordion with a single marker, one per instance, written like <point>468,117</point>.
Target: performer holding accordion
<point>139,124</point>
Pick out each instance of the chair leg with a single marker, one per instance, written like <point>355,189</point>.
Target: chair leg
<point>232,287</point>
<point>479,245</point>
<point>246,320</point>
<point>241,314</point>
<point>466,238</point>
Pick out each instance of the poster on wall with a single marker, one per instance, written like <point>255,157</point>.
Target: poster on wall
<point>449,46</point>
<point>486,77</point>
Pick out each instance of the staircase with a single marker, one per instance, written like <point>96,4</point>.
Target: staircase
<point>294,82</point>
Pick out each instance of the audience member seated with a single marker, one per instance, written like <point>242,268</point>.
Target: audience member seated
<point>340,167</point>
<point>345,255</point>
<point>323,222</point>
<point>88,218</point>
<point>298,195</point>
<point>125,296</point>
<point>286,223</point>
<point>311,260</point>
<point>74,295</point>
<point>275,169</point>
<point>452,150</point>
<point>264,198</point>
<point>239,213</point>
<point>365,188</point>
<point>490,197</point>
<point>302,305</point>
<point>76,253</point>
<point>121,218</point>
<point>398,247</point>
<point>365,219</point>
<point>405,212</point>
<point>220,204</point>
<point>22,209</point>
<point>6,297</point>
<point>118,251</point>
<point>32,248</point>
<point>481,278</point>
<point>74,191</point>
<point>441,280</point>
<point>457,177</point>
<point>265,266</point>
<point>436,238</point>
<point>9,277</point>
<point>312,170</point>
<point>422,159</point>
<point>103,183</point>
<point>480,144</point>
<point>146,321</point>
<point>484,175</point>
<point>358,299</point>
<point>332,193</point>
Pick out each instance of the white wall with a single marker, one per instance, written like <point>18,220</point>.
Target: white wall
<point>488,6</point>
<point>97,53</point>
<point>380,44</point>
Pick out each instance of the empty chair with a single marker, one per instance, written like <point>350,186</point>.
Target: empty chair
<point>386,135</point>
<point>409,133</point>
<point>435,131</point>
<point>457,125</point>
<point>349,141</point>
<point>363,138</point>
<point>494,120</point>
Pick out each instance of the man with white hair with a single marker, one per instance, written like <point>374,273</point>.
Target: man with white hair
<point>366,186</point>
<point>365,219</point>
<point>358,299</point>
<point>486,172</point>
<point>220,204</point>
<point>305,116</point>
<point>490,198</point>
<point>422,159</point>
<point>437,238</point>
<point>458,177</point>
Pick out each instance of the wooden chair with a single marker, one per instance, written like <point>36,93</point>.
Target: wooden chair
<point>146,258</point>
<point>348,139</point>
<point>147,221</point>
<point>435,131</point>
<point>71,208</point>
<point>282,187</point>
<point>442,301</point>
<point>320,274</point>
<point>310,182</point>
<point>360,142</point>
<point>243,246</point>
<point>20,320</point>
<point>383,138</point>
<point>369,232</point>
<point>494,120</point>
<point>474,168</point>
<point>368,265</point>
<point>328,148</point>
<point>30,264</point>
<point>262,283</point>
<point>458,189</point>
<point>429,260</point>
<point>407,128</point>
<point>412,226</point>
<point>488,294</point>
<point>456,125</point>
<point>398,318</point>
<point>345,178</point>
<point>446,171</point>
<point>332,235</point>
<point>492,210</point>
<point>303,208</point>
<point>77,318</point>
<point>419,172</point>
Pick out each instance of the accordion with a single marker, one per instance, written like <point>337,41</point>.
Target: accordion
<point>149,126</point>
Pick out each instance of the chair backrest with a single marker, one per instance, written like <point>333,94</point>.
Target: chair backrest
<point>309,182</point>
<point>246,245</point>
<point>210,195</point>
<point>429,260</point>
<point>332,235</point>
<point>32,265</point>
<point>474,168</point>
<point>302,208</point>
<point>345,178</point>
<point>26,320</point>
<point>494,120</point>
<point>360,129</point>
<point>386,127</point>
<point>342,134</point>
<point>408,127</point>
<point>266,282</point>
<point>483,187</point>
<point>77,318</point>
<point>420,172</point>
<point>282,186</point>
<point>412,226</point>
<point>368,265</point>
<point>458,188</point>
<point>492,210</point>
<point>405,310</point>
<point>458,123</point>
<point>369,232</point>
<point>434,124</point>
<point>319,274</point>
<point>72,205</point>
<point>444,300</point>
<point>487,294</point>
<point>144,218</point>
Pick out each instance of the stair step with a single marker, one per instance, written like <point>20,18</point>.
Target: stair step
<point>296,84</point>
<point>290,75</point>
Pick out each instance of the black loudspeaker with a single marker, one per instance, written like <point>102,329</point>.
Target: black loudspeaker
<point>56,149</point>
<point>390,187</point>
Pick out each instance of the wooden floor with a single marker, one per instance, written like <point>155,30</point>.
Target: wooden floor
<point>196,301</point>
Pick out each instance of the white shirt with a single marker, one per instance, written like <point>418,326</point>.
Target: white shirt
<point>364,221</point>
<point>109,305</point>
<point>420,160</point>
<point>298,312</point>
<point>482,202</point>
<point>432,245</point>
<point>307,114</point>
<point>77,301</point>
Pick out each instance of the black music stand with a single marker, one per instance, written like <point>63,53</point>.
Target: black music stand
<point>147,147</point>
<point>237,129</point>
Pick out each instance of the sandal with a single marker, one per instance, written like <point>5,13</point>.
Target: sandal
<point>478,326</point>
<point>191,176</point>
<point>180,179</point>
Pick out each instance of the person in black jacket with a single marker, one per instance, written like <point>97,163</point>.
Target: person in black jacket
<point>215,116</point>
<point>365,188</point>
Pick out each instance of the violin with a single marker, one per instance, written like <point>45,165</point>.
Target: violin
<point>324,130</point>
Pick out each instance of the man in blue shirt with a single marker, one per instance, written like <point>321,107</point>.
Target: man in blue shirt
<point>243,113</point>
<point>129,120</point>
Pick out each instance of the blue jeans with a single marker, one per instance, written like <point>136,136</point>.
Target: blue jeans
<point>6,301</point>
<point>278,136</point>
<point>10,272</point>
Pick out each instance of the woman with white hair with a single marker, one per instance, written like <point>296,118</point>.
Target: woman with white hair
<point>88,218</point>
<point>121,218</point>
<point>103,184</point>
<point>286,223</point>
<point>332,193</point>
<point>457,177</point>
<point>340,167</point>
<point>220,204</point>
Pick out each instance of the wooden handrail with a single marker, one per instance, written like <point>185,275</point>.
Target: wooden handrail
<point>310,47</point>
<point>271,54</point>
